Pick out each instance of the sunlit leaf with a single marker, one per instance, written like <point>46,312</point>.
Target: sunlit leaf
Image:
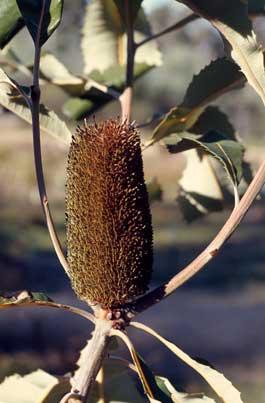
<point>31,12</point>
<point>232,20</point>
<point>13,101</point>
<point>202,196</point>
<point>222,386</point>
<point>104,40</point>
<point>37,387</point>
<point>11,21</point>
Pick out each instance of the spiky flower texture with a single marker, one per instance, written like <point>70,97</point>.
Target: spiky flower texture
<point>109,230</point>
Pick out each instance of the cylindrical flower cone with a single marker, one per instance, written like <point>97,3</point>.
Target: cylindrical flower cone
<point>109,230</point>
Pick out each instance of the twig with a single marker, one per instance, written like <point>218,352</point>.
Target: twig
<point>186,20</point>
<point>52,304</point>
<point>35,106</point>
<point>92,361</point>
<point>166,289</point>
<point>127,95</point>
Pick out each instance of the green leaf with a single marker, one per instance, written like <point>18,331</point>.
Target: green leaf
<point>22,297</point>
<point>37,387</point>
<point>91,99</point>
<point>197,198</point>
<point>232,20</point>
<point>219,77</point>
<point>132,8</point>
<point>13,101</point>
<point>31,12</point>
<point>11,21</point>
<point>78,108</point>
<point>210,193</point>
<point>104,39</point>
<point>228,152</point>
<point>214,80</point>
<point>155,192</point>
<point>55,72</point>
<point>222,386</point>
<point>214,119</point>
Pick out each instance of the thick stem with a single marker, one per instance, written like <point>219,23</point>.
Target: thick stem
<point>94,355</point>
<point>127,95</point>
<point>166,289</point>
<point>35,107</point>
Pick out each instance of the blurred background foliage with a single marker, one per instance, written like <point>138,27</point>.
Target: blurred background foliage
<point>220,313</point>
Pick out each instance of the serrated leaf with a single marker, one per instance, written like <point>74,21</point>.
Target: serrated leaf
<point>31,12</point>
<point>52,70</point>
<point>133,6</point>
<point>11,21</point>
<point>104,40</point>
<point>13,101</point>
<point>202,196</point>
<point>23,297</point>
<point>222,386</point>
<point>37,387</point>
<point>228,152</point>
<point>232,20</point>
<point>219,77</point>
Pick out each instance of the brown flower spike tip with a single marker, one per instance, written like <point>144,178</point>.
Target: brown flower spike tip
<point>109,230</point>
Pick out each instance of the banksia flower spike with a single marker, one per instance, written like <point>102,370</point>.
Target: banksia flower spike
<point>109,230</point>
